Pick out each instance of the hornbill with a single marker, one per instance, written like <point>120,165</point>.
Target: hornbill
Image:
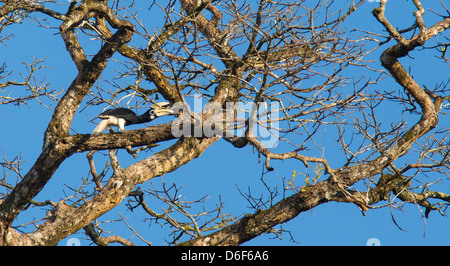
<point>121,117</point>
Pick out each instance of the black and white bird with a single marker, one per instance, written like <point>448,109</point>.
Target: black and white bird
<point>121,117</point>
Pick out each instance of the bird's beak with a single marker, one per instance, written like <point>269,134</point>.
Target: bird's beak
<point>163,112</point>
<point>162,109</point>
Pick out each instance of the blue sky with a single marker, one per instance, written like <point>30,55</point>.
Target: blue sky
<point>222,168</point>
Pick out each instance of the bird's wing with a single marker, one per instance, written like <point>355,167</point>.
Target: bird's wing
<point>100,127</point>
<point>117,112</point>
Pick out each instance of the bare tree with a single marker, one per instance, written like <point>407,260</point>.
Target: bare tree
<point>283,68</point>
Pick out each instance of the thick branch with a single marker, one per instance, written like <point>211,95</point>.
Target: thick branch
<point>132,138</point>
<point>27,6</point>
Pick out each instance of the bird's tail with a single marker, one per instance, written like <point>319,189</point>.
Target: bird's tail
<point>100,127</point>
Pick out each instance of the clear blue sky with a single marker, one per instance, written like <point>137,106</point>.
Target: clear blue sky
<point>329,224</point>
